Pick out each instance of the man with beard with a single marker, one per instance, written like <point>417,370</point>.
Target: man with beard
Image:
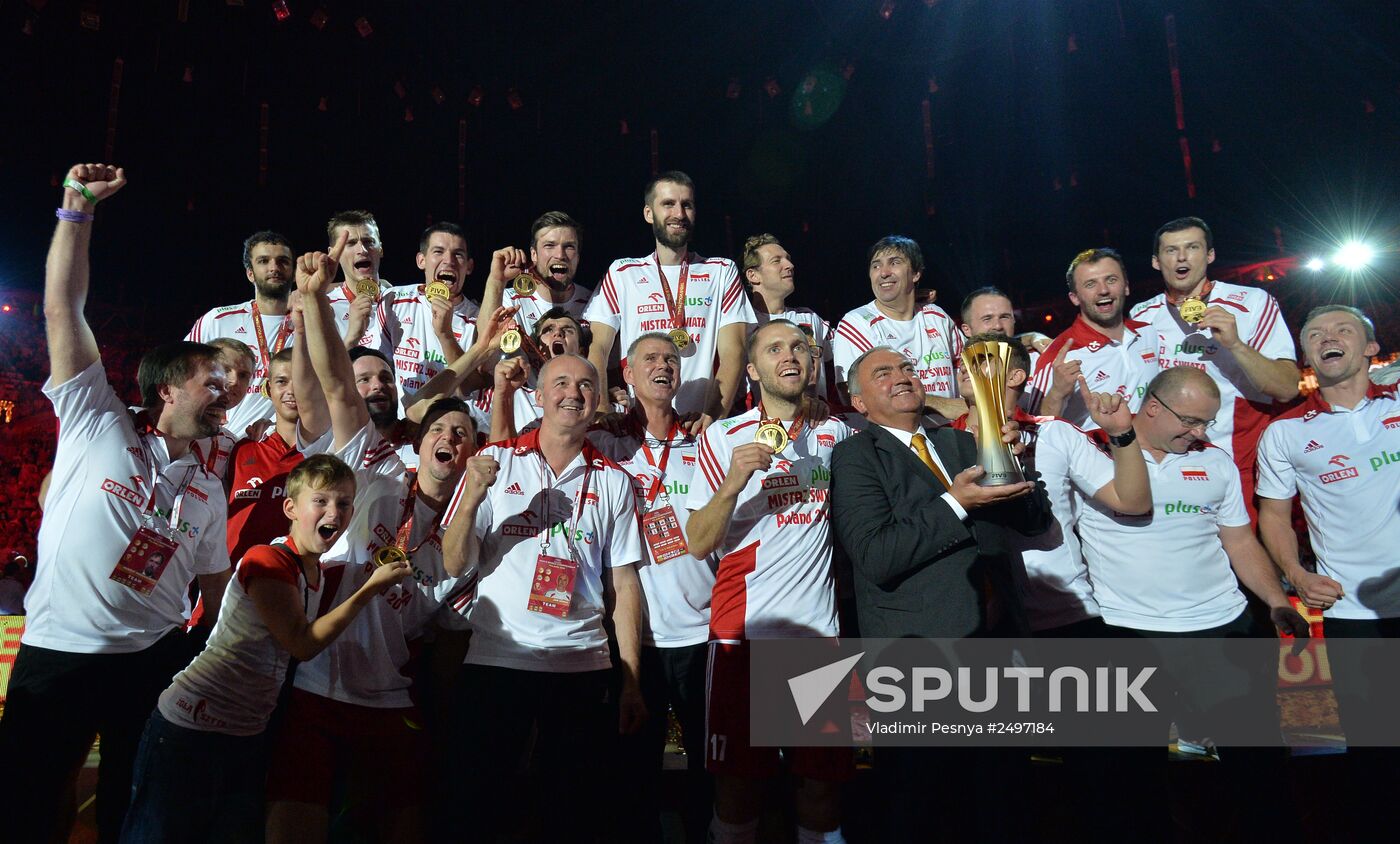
<point>676,587</point>
<point>924,334</point>
<point>262,323</point>
<point>351,702</point>
<point>359,316</point>
<point>1115,355</point>
<point>543,511</point>
<point>555,247</point>
<point>769,273</point>
<point>510,406</point>
<point>430,331</point>
<point>1235,334</point>
<point>765,512</point>
<point>698,301</point>
<point>133,516</point>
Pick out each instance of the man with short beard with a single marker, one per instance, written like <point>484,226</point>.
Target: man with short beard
<point>769,273</point>
<point>699,301</point>
<point>262,323</point>
<point>1115,355</point>
<point>430,332</point>
<point>775,580</point>
<point>539,512</point>
<point>351,702</point>
<point>132,518</point>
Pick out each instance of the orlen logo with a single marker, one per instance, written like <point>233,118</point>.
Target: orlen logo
<point>411,354</point>
<point>651,309</point>
<point>126,494</point>
<point>1340,474</point>
<point>780,481</point>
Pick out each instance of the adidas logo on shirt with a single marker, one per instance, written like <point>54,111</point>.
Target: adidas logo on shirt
<point>240,330</point>
<point>1313,445</point>
<point>1101,376</point>
<point>514,489</point>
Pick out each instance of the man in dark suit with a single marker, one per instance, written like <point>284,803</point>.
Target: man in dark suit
<point>930,559</point>
<point>926,544</point>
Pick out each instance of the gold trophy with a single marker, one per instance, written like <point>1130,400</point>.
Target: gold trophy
<point>987,364</point>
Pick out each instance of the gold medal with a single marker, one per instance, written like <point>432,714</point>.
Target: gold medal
<point>680,337</point>
<point>525,284</point>
<point>388,555</point>
<point>266,390</point>
<point>437,290</point>
<point>510,341</point>
<point>772,435</point>
<point>1192,310</point>
<point>367,287</point>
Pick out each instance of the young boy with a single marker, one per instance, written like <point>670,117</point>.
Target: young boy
<point>200,766</point>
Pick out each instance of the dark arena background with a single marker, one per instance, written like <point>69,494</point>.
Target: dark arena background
<point>1005,136</point>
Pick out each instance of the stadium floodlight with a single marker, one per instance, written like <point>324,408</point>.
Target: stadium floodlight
<point>1354,256</point>
<point>1317,265</point>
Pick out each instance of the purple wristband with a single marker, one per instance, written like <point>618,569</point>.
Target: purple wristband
<point>73,216</point>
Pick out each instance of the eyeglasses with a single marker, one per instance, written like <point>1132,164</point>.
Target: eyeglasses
<point>1188,421</point>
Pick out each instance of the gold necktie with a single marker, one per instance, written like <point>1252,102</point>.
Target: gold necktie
<point>921,446</point>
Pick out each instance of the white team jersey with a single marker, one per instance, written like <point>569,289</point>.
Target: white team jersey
<point>931,341</point>
<point>101,486</point>
<point>820,337</point>
<point>1073,468</point>
<point>1346,466</point>
<point>530,511</point>
<point>364,666</point>
<point>630,302</point>
<point>1124,367</point>
<point>775,579</point>
<point>418,354</point>
<point>236,322</point>
<point>677,592</point>
<point>1244,409</point>
<point>1167,570</point>
<point>231,687</point>
<point>532,307</point>
<point>376,331</point>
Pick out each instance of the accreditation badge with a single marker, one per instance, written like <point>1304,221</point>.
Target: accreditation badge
<point>552,588</point>
<point>144,561</point>
<point>662,531</point>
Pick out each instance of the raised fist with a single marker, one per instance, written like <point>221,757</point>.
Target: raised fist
<point>101,180</point>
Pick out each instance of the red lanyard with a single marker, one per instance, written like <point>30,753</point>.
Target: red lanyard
<point>265,359</point>
<point>792,430</point>
<point>677,312</point>
<point>1204,297</point>
<point>406,521</point>
<point>642,437</point>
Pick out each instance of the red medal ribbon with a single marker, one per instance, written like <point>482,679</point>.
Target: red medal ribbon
<point>1206,288</point>
<point>677,313</point>
<point>406,522</point>
<point>792,431</point>
<point>264,357</point>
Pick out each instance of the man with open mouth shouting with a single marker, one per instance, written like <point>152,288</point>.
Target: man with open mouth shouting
<point>432,322</point>
<point>358,302</point>
<point>546,280</point>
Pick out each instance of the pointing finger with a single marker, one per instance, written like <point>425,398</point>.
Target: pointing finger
<point>339,246</point>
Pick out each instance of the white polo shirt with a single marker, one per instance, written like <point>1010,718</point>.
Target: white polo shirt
<point>1346,466</point>
<point>365,665</point>
<point>1168,570</point>
<point>677,592</point>
<point>532,307</point>
<point>1244,409</point>
<point>931,341</point>
<point>630,302</point>
<point>1073,466</point>
<point>97,499</point>
<point>529,511</point>
<point>820,336</point>
<point>775,579</point>
<point>376,331</point>
<point>418,354</point>
<point>1124,367</point>
<point>236,322</point>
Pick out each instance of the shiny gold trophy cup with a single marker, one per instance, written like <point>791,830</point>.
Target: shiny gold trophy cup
<point>987,364</point>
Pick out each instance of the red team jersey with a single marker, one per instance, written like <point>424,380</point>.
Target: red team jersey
<point>1122,366</point>
<point>257,486</point>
